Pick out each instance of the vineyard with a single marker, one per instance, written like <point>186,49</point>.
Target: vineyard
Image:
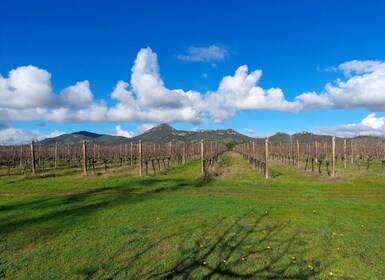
<point>316,157</point>
<point>151,158</point>
<point>193,210</point>
<point>143,158</point>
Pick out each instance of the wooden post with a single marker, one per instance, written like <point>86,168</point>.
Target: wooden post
<point>297,153</point>
<point>55,155</point>
<point>39,154</point>
<point>69,155</point>
<point>131,155</point>
<point>254,161</point>
<point>351,152</point>
<point>94,151</point>
<point>21,156</point>
<point>202,158</point>
<point>125,152</point>
<point>33,163</point>
<point>344,153</point>
<point>333,156</point>
<point>140,158</point>
<point>316,151</point>
<point>184,153</point>
<point>267,158</point>
<point>84,157</point>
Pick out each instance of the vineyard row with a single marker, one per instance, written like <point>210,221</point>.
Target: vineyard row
<point>146,158</point>
<point>314,155</point>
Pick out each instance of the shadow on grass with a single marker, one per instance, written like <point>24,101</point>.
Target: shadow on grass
<point>247,248</point>
<point>65,208</point>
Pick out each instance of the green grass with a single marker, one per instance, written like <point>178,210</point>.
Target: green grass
<point>236,225</point>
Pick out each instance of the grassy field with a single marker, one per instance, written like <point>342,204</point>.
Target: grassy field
<point>236,225</point>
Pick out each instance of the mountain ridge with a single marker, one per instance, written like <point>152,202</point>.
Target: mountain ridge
<point>166,133</point>
<point>160,133</point>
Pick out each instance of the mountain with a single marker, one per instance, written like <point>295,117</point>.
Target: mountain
<point>165,133</point>
<point>303,137</point>
<point>160,133</point>
<point>80,136</point>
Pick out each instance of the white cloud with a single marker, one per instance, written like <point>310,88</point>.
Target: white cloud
<point>26,87</point>
<point>241,93</point>
<point>26,95</point>
<point>364,88</point>
<point>121,132</point>
<point>311,100</point>
<point>204,54</point>
<point>144,127</point>
<point>15,136</point>
<point>373,122</point>
<point>370,125</point>
<point>148,85</point>
<point>78,94</point>
<point>123,95</point>
<point>358,67</point>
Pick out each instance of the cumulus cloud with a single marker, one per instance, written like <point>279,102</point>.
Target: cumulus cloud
<point>30,87</point>
<point>370,125</point>
<point>144,127</point>
<point>363,88</point>
<point>204,54</point>
<point>15,136</point>
<point>241,93</point>
<point>148,85</point>
<point>27,94</point>
<point>121,132</point>
<point>358,67</point>
<point>78,94</point>
<point>26,87</point>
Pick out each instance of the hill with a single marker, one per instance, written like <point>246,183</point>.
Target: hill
<point>160,133</point>
<point>166,133</point>
<point>303,137</point>
<point>80,136</point>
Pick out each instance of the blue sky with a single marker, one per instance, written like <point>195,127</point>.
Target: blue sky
<point>119,67</point>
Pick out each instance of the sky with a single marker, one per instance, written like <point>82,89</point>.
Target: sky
<point>259,67</point>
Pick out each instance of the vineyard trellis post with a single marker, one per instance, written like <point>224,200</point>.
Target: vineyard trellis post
<point>33,163</point>
<point>69,155</point>
<point>84,157</point>
<point>131,155</point>
<point>351,152</point>
<point>297,153</point>
<point>140,158</point>
<point>93,155</point>
<point>202,158</point>
<point>253,157</point>
<point>344,153</point>
<point>333,155</point>
<point>21,156</point>
<point>55,155</point>
<point>125,153</point>
<point>184,153</point>
<point>267,158</point>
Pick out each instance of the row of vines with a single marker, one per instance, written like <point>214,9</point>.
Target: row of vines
<point>320,157</point>
<point>143,158</point>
